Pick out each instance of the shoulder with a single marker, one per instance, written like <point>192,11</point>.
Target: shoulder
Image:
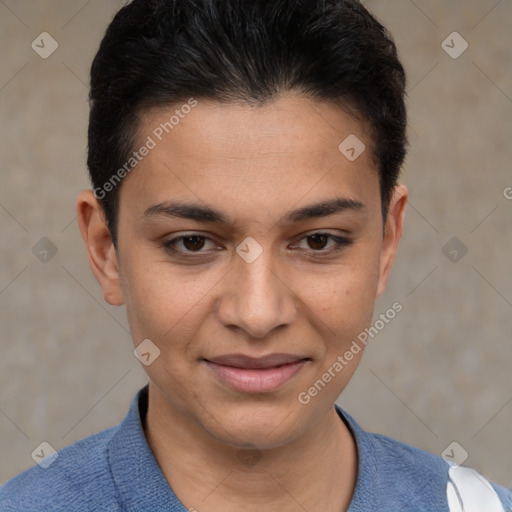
<point>413,462</point>
<point>404,477</point>
<point>421,464</point>
<point>76,478</point>
<point>412,475</point>
<point>462,488</point>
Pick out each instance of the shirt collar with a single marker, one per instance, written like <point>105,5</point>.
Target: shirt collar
<point>141,485</point>
<point>139,481</point>
<point>364,497</point>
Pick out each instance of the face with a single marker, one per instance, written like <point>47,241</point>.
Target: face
<point>250,252</point>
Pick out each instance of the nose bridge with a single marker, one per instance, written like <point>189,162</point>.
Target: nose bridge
<point>258,300</point>
<point>258,280</point>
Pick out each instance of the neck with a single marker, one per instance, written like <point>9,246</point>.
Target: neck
<point>315,472</point>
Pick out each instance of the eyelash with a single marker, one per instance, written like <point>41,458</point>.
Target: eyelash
<point>339,243</point>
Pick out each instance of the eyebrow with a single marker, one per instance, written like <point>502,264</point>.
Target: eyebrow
<point>194,211</point>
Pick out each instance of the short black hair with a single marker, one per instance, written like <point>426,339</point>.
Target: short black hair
<point>161,52</point>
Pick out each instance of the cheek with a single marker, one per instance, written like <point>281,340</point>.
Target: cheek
<point>168,305</point>
<point>351,287</point>
<point>163,305</point>
<point>345,300</point>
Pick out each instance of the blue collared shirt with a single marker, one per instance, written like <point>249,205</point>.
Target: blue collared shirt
<point>115,470</point>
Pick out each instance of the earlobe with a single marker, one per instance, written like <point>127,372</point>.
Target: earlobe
<point>392,235</point>
<point>100,248</point>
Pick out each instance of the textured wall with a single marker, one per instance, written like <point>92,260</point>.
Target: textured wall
<point>438,373</point>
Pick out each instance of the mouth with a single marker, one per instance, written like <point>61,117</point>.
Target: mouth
<point>256,375</point>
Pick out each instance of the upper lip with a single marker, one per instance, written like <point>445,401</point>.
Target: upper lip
<point>254,363</point>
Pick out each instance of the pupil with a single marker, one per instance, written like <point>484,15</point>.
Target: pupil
<point>199,242</point>
<point>316,239</point>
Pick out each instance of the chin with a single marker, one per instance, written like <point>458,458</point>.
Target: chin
<point>255,425</point>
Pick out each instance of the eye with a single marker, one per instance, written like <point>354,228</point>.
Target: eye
<point>318,242</point>
<point>192,243</point>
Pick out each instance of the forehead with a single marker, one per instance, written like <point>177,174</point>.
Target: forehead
<point>244,155</point>
<point>261,130</point>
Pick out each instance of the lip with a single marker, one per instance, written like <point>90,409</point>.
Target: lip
<point>248,374</point>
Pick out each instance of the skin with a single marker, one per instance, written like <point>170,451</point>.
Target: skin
<point>254,164</point>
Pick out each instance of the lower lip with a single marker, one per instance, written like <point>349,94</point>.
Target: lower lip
<point>255,380</point>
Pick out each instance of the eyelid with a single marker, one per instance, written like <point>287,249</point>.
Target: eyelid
<point>171,242</point>
<point>339,241</point>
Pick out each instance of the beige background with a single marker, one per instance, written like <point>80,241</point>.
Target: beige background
<point>440,372</point>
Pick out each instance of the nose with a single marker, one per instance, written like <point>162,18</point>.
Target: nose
<point>256,298</point>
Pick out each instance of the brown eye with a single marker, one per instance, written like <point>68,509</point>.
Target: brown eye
<point>193,243</point>
<point>318,241</point>
<point>323,244</point>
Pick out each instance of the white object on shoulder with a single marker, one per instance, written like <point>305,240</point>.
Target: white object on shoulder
<point>468,491</point>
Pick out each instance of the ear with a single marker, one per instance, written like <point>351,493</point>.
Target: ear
<point>392,235</point>
<point>99,245</point>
